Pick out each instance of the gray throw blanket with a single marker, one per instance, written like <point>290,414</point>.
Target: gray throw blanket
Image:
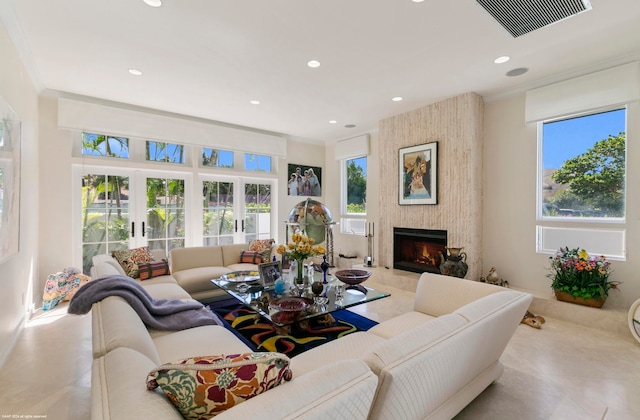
<point>161,314</point>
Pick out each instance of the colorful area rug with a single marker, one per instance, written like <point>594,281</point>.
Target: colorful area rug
<point>261,335</point>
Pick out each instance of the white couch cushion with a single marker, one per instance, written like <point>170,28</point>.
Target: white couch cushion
<point>342,390</point>
<point>439,295</point>
<point>105,265</point>
<point>165,291</point>
<point>118,390</point>
<point>115,324</point>
<point>352,346</point>
<point>198,279</point>
<point>201,341</point>
<point>400,324</point>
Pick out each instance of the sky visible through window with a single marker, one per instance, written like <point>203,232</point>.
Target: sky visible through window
<point>567,139</point>
<point>361,162</point>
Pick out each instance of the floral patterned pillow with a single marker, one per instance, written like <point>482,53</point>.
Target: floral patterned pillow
<point>262,245</point>
<point>201,387</point>
<point>130,258</point>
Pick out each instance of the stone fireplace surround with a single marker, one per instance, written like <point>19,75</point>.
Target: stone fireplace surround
<point>457,125</point>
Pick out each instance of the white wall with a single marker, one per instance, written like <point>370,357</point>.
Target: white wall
<point>509,221</point>
<point>303,153</point>
<point>18,273</point>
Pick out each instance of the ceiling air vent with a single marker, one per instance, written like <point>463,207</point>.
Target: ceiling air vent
<point>522,16</point>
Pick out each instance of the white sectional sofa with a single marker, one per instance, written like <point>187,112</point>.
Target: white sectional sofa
<point>428,363</point>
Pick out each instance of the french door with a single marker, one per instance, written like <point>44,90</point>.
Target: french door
<point>122,209</point>
<point>235,210</point>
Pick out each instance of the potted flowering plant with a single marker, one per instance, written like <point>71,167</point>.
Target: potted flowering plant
<point>300,248</point>
<point>579,278</point>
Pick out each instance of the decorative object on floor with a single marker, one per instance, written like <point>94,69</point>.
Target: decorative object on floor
<point>368,260</point>
<point>300,248</point>
<point>418,176</point>
<point>454,263</point>
<point>581,279</point>
<point>353,278</point>
<point>261,335</point>
<point>493,278</point>
<point>312,219</point>
<point>532,320</point>
<point>62,286</point>
<point>201,387</point>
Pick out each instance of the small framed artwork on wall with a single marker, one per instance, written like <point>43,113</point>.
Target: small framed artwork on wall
<point>418,177</point>
<point>304,180</point>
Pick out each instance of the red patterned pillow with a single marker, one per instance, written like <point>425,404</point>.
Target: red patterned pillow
<point>153,269</point>
<point>201,387</point>
<point>130,258</point>
<point>262,245</point>
<point>251,257</point>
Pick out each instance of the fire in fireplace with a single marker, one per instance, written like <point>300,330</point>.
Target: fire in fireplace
<point>418,250</point>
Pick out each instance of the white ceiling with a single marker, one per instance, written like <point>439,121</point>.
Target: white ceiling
<point>210,58</point>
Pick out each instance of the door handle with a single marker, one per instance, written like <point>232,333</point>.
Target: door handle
<point>143,229</point>
<point>133,229</point>
<point>243,225</point>
<point>236,226</point>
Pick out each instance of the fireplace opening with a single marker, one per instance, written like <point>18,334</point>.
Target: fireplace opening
<point>418,250</point>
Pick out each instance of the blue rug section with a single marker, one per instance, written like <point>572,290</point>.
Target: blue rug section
<point>260,335</point>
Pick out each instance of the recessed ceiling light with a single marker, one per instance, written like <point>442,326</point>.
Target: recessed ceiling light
<point>333,122</point>
<point>397,98</point>
<point>254,102</point>
<point>153,3</point>
<point>517,72</point>
<point>135,72</point>
<point>313,64</point>
<point>350,126</point>
<point>502,59</point>
<point>417,1</point>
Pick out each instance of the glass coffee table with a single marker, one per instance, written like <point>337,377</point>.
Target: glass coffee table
<point>294,305</point>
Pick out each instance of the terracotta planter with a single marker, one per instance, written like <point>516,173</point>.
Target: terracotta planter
<point>566,297</point>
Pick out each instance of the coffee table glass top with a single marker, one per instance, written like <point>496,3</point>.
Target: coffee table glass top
<point>291,307</point>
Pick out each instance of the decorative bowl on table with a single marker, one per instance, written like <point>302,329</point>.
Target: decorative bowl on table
<point>353,277</point>
<point>287,310</point>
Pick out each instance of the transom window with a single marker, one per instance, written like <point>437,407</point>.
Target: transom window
<point>104,145</point>
<point>164,152</point>
<point>257,162</point>
<point>217,158</point>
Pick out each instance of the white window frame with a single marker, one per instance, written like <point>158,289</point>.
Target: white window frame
<point>598,235</point>
<point>350,223</point>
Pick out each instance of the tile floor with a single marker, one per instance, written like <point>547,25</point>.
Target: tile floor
<point>563,371</point>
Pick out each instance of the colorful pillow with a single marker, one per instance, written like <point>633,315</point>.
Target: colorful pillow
<point>201,387</point>
<point>130,258</point>
<point>264,246</point>
<point>251,257</point>
<point>153,269</point>
<point>61,286</point>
